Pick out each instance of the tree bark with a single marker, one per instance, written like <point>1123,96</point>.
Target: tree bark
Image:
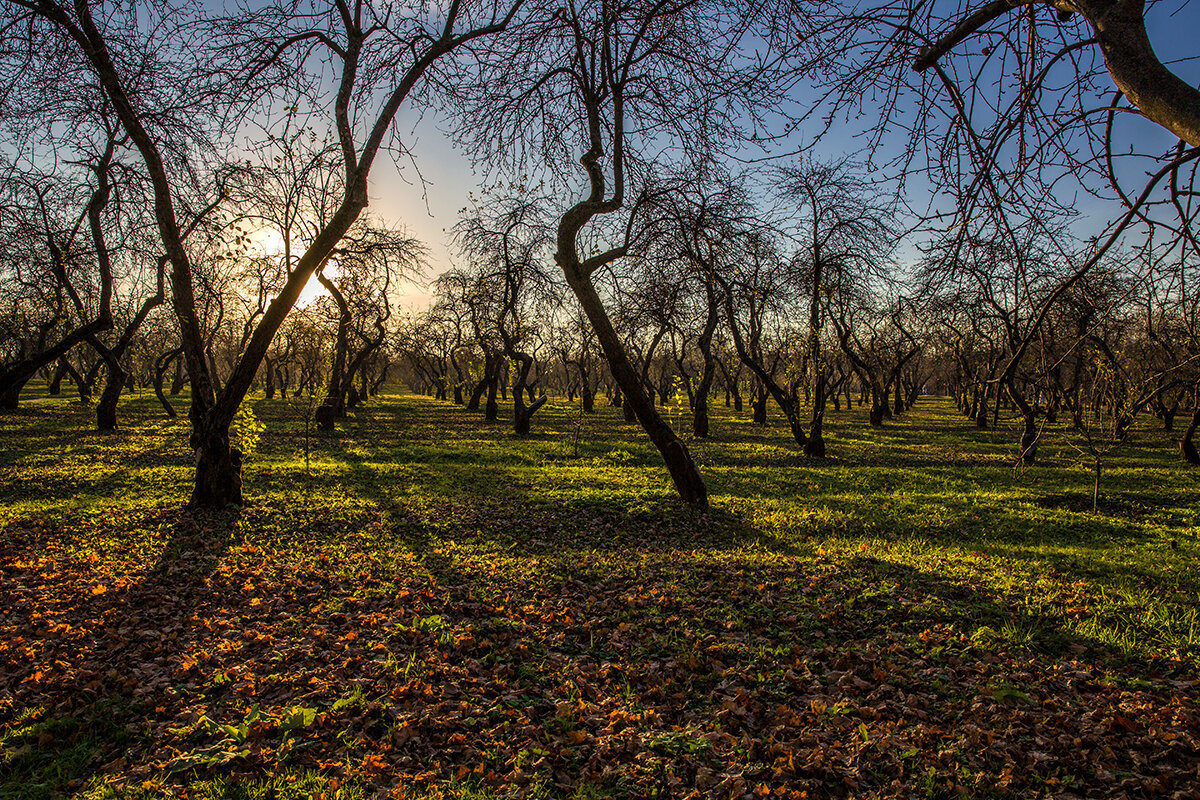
<point>1187,448</point>
<point>106,409</point>
<point>218,469</point>
<point>686,476</point>
<point>1120,28</point>
<point>160,368</point>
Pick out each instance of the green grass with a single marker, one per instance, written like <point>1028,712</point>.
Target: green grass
<point>435,577</point>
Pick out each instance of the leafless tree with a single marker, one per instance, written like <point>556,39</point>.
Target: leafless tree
<point>508,240</point>
<point>843,230</point>
<point>377,55</point>
<point>617,80</point>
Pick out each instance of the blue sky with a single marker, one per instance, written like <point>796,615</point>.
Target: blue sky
<point>429,211</point>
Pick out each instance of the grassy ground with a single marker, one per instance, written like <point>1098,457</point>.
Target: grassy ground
<point>440,609</point>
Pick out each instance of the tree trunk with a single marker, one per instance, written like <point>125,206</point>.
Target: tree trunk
<point>160,369</point>
<point>686,476</point>
<point>708,371</point>
<point>10,391</point>
<point>481,386</point>
<point>814,446</point>
<point>522,413</point>
<point>218,470</point>
<point>490,409</point>
<point>875,416</point>
<point>759,403</point>
<point>56,378</point>
<point>1029,441</point>
<point>1187,448</point>
<point>106,409</point>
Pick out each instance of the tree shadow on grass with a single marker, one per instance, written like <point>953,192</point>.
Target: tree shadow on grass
<point>537,525</point>
<point>83,699</point>
<point>838,676</point>
<point>640,658</point>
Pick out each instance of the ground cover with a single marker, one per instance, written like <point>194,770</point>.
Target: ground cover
<point>436,608</point>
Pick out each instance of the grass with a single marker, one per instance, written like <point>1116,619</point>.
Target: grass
<point>470,614</point>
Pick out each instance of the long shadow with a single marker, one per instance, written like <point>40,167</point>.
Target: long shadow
<point>732,657</point>
<point>54,486</point>
<point>627,645</point>
<point>633,650</point>
<point>85,699</point>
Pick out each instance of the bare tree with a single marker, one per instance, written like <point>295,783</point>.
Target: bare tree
<point>58,257</point>
<point>369,259</point>
<point>1117,28</point>
<point>509,241</point>
<point>378,56</point>
<point>611,78</point>
<point>844,233</point>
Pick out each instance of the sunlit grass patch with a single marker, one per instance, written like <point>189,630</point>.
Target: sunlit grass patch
<point>543,613</point>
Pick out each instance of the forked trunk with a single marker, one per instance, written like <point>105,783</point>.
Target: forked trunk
<point>522,413</point>
<point>218,471</point>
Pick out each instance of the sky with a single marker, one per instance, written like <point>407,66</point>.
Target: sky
<point>425,194</point>
<point>429,209</point>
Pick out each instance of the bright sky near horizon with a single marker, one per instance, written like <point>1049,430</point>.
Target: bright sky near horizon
<point>430,208</point>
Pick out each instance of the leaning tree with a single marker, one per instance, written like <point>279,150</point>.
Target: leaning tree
<point>600,92</point>
<point>350,65</point>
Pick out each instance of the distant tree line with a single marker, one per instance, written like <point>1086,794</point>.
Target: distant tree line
<point>672,212</point>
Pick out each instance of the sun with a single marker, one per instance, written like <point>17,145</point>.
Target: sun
<point>268,242</point>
